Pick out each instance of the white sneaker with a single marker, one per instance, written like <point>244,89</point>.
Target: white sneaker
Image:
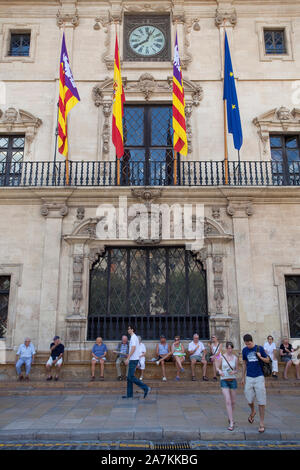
<point>141,379</point>
<point>164,379</point>
<point>157,363</point>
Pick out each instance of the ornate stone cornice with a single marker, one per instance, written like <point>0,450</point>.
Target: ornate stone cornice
<point>277,120</point>
<point>67,19</point>
<point>54,209</point>
<point>226,17</point>
<point>20,121</point>
<point>240,209</point>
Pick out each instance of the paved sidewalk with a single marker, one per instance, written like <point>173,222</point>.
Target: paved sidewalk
<point>157,418</point>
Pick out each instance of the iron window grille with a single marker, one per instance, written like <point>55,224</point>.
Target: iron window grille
<point>148,145</point>
<point>275,42</point>
<point>160,290</point>
<point>293,301</point>
<point>19,44</point>
<point>4,299</point>
<point>11,158</point>
<point>285,154</point>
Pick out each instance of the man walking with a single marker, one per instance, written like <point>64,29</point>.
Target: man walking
<point>254,380</point>
<point>25,355</point>
<point>132,361</point>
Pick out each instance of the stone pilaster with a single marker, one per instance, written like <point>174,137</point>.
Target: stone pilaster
<point>53,211</point>
<point>240,211</point>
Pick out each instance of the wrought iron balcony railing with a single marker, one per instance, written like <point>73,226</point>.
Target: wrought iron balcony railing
<point>154,173</point>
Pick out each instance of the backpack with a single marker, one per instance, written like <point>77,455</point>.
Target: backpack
<point>266,366</point>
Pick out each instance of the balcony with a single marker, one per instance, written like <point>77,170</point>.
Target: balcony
<point>154,173</point>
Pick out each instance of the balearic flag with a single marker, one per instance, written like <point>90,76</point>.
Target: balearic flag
<point>179,126</point>
<point>68,98</point>
<point>230,95</point>
<point>118,109</point>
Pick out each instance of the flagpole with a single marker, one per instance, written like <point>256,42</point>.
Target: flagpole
<point>174,151</point>
<point>225,124</point>
<point>55,145</point>
<point>118,159</point>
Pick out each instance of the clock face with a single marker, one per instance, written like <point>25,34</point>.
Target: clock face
<point>147,40</point>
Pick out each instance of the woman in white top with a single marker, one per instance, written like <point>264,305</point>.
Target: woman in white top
<point>227,368</point>
<point>270,348</point>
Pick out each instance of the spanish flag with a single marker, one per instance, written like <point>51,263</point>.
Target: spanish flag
<point>118,109</point>
<point>179,126</point>
<point>68,98</point>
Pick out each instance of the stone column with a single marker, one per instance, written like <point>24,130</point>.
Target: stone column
<point>53,213</point>
<point>240,212</point>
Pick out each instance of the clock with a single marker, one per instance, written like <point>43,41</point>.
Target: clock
<point>147,40</point>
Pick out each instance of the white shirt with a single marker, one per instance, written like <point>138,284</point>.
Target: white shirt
<point>24,351</point>
<point>270,348</point>
<point>142,349</point>
<point>200,348</point>
<point>134,342</point>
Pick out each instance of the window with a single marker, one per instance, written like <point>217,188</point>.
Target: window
<point>160,290</point>
<point>293,300</point>
<point>148,154</point>
<point>4,297</point>
<point>275,41</point>
<point>285,153</point>
<point>11,157</point>
<point>19,44</point>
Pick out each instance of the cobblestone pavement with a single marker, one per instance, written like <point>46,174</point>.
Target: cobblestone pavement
<point>105,418</point>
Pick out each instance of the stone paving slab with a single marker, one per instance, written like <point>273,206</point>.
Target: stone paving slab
<point>185,418</point>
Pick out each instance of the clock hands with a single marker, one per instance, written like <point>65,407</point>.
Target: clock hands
<point>146,40</point>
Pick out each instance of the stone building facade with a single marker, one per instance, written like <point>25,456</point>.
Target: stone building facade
<point>48,231</point>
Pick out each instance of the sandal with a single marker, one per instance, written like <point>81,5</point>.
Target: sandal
<point>251,418</point>
<point>231,428</point>
<point>206,379</point>
<point>261,429</point>
<point>193,378</point>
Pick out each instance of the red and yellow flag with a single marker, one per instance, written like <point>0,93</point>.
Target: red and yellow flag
<point>68,98</point>
<point>179,126</point>
<point>118,109</point>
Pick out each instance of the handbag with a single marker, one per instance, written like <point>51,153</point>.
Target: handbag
<point>266,366</point>
<point>227,380</point>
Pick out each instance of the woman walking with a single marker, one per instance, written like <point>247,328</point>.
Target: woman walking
<point>227,367</point>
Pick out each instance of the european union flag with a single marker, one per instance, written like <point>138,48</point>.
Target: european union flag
<point>233,113</point>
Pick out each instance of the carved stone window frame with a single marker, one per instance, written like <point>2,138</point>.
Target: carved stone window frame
<point>85,248</point>
<point>277,121</point>
<point>287,26</point>
<point>13,121</point>
<point>279,273</point>
<point>15,273</point>
<point>8,29</point>
<point>145,89</point>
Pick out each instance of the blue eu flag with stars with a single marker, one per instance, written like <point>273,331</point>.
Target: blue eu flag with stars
<point>233,113</point>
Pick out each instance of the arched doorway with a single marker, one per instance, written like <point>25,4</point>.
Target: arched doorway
<point>161,290</point>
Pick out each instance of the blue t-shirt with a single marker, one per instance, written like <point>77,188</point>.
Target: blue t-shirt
<point>99,349</point>
<point>253,366</point>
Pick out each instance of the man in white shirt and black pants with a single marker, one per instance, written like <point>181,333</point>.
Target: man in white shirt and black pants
<point>132,361</point>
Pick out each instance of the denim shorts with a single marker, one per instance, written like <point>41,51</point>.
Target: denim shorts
<point>232,384</point>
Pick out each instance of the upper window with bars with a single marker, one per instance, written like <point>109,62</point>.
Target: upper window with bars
<point>19,44</point>
<point>275,42</point>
